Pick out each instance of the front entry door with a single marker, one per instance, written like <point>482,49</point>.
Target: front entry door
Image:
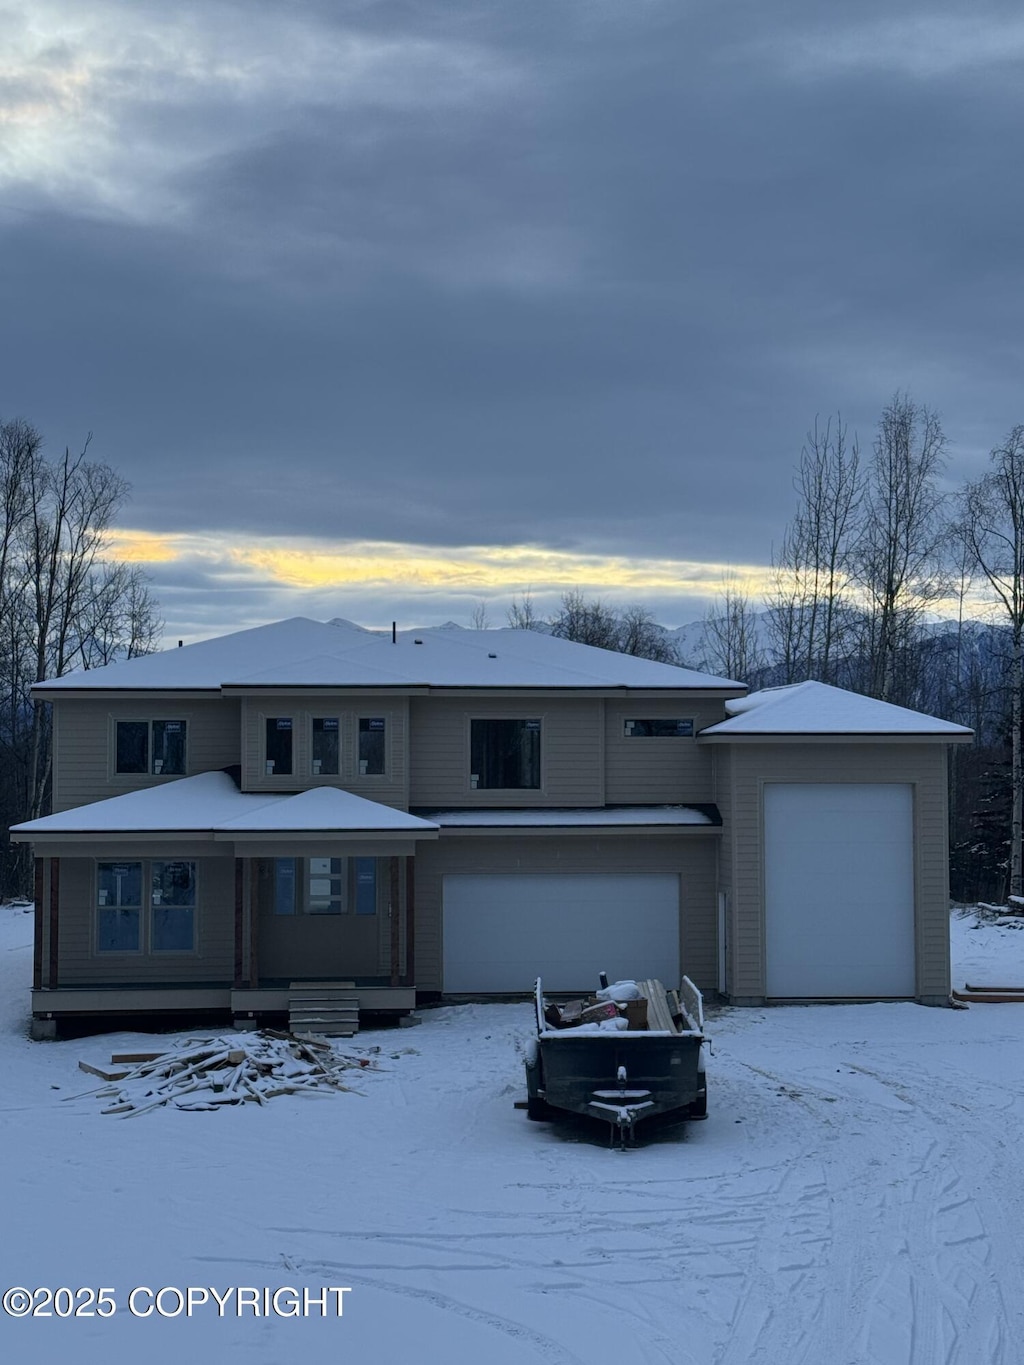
<point>319,918</point>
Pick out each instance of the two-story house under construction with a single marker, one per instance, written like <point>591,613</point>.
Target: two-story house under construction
<point>410,815</point>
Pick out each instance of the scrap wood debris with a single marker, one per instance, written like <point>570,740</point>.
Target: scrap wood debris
<point>209,1072</point>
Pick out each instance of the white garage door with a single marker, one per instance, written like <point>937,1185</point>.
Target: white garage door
<point>839,889</point>
<point>502,932</point>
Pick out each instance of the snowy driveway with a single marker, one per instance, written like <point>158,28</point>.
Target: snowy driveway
<point>855,1197</point>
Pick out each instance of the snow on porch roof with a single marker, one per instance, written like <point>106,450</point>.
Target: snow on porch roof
<point>629,816</point>
<point>815,708</point>
<point>210,803</point>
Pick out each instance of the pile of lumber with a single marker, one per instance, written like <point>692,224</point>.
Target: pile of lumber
<point>209,1072</point>
<point>664,1011</point>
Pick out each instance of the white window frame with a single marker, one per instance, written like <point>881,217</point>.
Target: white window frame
<point>385,716</point>
<point>98,905</point>
<point>144,911</point>
<point>265,719</point>
<point>314,716</point>
<point>472,779</point>
<point>149,770</point>
<point>194,907</point>
<point>627,721</point>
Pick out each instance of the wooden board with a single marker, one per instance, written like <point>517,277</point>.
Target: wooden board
<point>659,1013</point>
<point>989,997</point>
<point>104,1073</point>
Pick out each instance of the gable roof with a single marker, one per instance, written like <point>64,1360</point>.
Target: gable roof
<point>815,709</point>
<point>299,653</point>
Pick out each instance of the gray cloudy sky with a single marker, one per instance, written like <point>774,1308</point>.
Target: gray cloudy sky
<point>386,308</point>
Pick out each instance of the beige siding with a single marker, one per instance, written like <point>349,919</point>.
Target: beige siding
<point>572,751</point>
<point>694,858</point>
<point>213,961</point>
<point>726,853</point>
<point>923,766</point>
<point>642,771</point>
<point>85,734</point>
<point>391,788</point>
<point>722,787</point>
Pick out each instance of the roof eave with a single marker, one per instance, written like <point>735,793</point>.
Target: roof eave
<point>247,836</point>
<point>91,836</point>
<point>45,692</point>
<point>833,737</point>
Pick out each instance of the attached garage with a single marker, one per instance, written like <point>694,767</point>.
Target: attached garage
<point>834,862</point>
<point>839,890</point>
<point>501,931</point>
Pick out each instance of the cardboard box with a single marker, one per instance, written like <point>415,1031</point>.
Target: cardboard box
<point>594,1014</point>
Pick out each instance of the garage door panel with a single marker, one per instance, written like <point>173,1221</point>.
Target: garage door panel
<point>839,889</point>
<point>503,931</point>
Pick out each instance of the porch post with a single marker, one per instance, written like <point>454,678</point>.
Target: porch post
<point>396,921</point>
<point>410,921</point>
<point>37,943</point>
<point>252,910</point>
<point>54,921</point>
<point>239,924</point>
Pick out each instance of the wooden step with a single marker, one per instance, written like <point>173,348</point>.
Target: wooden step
<point>327,1007</point>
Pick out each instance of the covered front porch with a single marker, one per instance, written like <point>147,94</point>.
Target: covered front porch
<point>324,932</point>
<point>198,900</point>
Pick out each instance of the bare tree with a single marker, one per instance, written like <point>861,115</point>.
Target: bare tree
<point>992,527</point>
<point>119,619</point>
<point>897,561</point>
<point>478,617</point>
<point>521,614</point>
<point>730,640</point>
<point>587,621</point>
<point>62,602</point>
<point>640,634</point>
<point>809,609</point>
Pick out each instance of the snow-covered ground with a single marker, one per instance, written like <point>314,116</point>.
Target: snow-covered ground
<point>856,1196</point>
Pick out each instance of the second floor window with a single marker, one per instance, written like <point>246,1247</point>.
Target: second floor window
<point>151,746</point>
<point>659,728</point>
<point>278,753</point>
<point>324,754</point>
<point>372,739</point>
<point>504,753</point>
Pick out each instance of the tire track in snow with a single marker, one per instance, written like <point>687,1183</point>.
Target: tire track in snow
<point>950,1203</point>
<point>911,1276</point>
<point>913,1268</point>
<point>547,1347</point>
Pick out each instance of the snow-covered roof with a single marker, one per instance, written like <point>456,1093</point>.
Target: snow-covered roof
<point>304,653</point>
<point>210,803</point>
<point>327,809</point>
<point>815,708</point>
<point>627,816</point>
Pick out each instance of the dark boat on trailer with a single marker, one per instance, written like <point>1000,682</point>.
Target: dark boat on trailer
<point>623,1076</point>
